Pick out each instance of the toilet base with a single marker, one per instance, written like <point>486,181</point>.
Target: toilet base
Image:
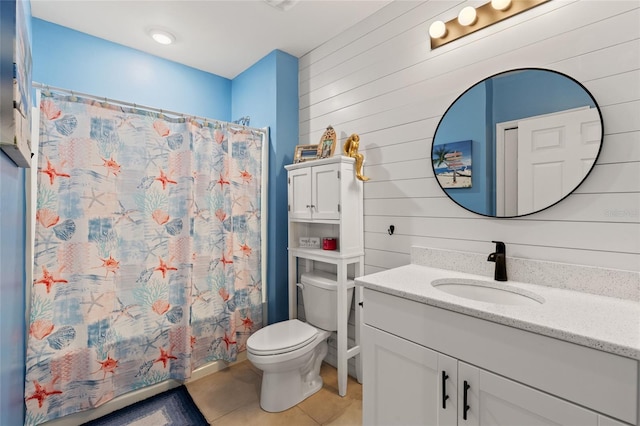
<point>293,392</point>
<point>284,386</point>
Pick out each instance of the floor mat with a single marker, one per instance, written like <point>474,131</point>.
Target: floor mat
<point>174,407</point>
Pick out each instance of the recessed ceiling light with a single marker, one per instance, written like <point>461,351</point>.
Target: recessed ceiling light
<point>162,36</point>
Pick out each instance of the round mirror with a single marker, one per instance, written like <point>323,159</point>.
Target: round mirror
<point>517,142</point>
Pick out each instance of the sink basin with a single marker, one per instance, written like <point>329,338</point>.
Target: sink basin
<point>487,291</point>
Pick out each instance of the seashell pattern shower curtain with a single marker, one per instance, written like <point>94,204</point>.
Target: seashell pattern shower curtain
<point>147,251</point>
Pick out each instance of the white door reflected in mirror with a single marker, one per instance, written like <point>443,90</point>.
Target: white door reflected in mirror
<point>542,159</point>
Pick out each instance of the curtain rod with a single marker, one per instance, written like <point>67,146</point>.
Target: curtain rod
<point>42,86</point>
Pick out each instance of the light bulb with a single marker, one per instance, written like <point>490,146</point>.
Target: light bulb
<point>467,16</point>
<point>437,29</point>
<point>161,36</point>
<point>500,4</point>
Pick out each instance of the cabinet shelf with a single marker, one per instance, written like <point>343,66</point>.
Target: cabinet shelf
<point>324,255</point>
<point>318,221</point>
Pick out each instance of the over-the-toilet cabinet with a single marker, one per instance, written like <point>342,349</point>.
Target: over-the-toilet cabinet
<point>543,381</point>
<point>314,192</point>
<point>325,200</point>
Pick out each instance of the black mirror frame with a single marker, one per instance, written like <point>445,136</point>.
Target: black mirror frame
<point>509,71</point>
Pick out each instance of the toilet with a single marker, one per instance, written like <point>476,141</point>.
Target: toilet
<point>290,353</point>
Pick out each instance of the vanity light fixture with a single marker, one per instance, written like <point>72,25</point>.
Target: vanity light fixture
<point>162,36</point>
<point>500,4</point>
<point>472,19</point>
<point>467,16</point>
<point>437,29</point>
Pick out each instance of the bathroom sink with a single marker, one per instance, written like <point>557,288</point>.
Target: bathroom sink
<point>487,291</point>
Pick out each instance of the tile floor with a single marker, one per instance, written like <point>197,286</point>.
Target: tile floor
<point>232,397</point>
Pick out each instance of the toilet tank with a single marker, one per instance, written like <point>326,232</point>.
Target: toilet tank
<point>319,292</point>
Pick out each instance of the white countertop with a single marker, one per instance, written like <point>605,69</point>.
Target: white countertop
<point>599,322</point>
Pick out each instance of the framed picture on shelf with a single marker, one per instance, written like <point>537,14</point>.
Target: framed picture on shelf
<point>305,153</point>
<point>327,144</point>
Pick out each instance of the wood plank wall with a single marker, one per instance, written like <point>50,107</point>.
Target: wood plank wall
<point>380,79</point>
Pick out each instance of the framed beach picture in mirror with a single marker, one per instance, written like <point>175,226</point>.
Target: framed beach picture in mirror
<point>452,164</point>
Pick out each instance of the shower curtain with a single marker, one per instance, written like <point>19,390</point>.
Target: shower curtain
<point>147,251</point>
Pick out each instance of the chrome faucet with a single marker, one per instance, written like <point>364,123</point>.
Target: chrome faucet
<point>500,258</point>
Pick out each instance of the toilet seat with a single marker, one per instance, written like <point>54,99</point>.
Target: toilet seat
<point>281,337</point>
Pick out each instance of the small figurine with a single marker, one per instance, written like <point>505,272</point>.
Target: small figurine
<point>351,150</point>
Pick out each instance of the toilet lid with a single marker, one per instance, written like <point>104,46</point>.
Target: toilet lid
<point>281,337</point>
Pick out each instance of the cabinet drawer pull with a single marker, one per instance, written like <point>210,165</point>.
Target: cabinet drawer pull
<point>444,390</point>
<point>464,400</point>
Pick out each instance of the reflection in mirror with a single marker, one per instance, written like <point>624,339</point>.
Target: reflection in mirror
<point>517,142</point>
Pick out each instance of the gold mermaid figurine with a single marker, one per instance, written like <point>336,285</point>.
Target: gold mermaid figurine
<point>351,150</point>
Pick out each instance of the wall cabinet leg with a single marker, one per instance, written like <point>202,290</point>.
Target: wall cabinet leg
<point>358,319</point>
<point>342,329</point>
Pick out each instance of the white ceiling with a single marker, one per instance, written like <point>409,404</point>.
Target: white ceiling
<point>223,37</point>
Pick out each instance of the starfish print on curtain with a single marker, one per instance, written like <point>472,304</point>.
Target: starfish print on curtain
<point>132,258</point>
<point>226,244</point>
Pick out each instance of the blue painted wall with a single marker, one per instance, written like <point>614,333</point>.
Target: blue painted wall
<point>466,120</point>
<point>12,257</point>
<point>73,60</point>
<point>518,95</point>
<point>268,93</point>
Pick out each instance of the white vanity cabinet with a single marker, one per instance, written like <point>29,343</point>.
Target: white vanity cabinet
<point>326,200</point>
<point>414,385</point>
<point>512,377</point>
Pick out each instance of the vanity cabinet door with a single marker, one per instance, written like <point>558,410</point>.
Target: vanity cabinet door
<point>493,400</point>
<point>401,381</point>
